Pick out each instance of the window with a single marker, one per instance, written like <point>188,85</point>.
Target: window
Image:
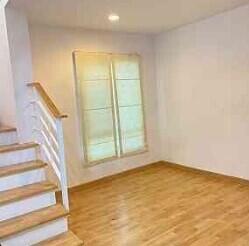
<point>110,104</point>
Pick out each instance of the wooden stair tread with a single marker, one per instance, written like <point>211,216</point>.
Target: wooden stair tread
<point>14,147</point>
<point>4,129</point>
<point>21,167</point>
<point>25,192</point>
<point>21,223</point>
<point>65,239</point>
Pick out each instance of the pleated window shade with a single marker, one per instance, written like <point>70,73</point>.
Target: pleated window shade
<point>111,105</point>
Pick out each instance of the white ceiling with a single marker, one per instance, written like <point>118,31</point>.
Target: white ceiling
<point>146,16</point>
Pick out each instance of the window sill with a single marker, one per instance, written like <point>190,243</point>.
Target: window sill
<point>104,161</point>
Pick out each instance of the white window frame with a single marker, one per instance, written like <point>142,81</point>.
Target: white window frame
<point>81,123</point>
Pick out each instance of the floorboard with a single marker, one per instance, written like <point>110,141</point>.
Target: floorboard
<point>161,205</point>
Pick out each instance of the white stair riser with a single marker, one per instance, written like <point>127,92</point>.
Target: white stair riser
<point>21,179</point>
<point>37,234</point>
<point>7,138</point>
<point>25,206</point>
<point>15,157</point>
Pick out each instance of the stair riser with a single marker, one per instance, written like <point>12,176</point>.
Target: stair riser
<point>37,234</point>
<point>15,157</point>
<point>25,206</point>
<point>21,179</point>
<point>8,138</point>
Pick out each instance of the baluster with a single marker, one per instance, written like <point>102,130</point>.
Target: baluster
<point>62,166</point>
<point>37,136</point>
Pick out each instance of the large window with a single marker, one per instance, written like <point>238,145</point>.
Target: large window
<point>110,104</point>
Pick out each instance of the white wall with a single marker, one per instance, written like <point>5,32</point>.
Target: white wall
<point>20,55</point>
<point>203,75</point>
<point>7,99</point>
<point>52,62</point>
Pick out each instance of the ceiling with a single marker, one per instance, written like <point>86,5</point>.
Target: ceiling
<point>143,16</point>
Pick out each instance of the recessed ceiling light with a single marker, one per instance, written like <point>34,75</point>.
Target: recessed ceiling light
<point>113,17</point>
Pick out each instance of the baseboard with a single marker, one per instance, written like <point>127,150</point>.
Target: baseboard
<point>111,177</point>
<point>164,163</point>
<point>205,172</point>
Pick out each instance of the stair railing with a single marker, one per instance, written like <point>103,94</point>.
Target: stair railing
<point>48,132</point>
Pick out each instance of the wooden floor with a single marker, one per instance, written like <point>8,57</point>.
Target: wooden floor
<point>161,205</point>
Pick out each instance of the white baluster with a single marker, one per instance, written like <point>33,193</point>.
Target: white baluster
<point>64,188</point>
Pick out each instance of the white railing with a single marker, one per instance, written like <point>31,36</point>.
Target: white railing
<point>48,132</point>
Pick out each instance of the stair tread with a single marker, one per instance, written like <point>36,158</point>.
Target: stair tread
<point>25,192</point>
<point>65,239</point>
<point>14,147</point>
<point>21,223</point>
<point>21,167</point>
<point>4,129</point>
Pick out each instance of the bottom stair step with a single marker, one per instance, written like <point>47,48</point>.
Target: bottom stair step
<point>65,239</point>
<point>21,223</point>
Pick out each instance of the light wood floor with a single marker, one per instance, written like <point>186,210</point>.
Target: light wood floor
<point>161,205</point>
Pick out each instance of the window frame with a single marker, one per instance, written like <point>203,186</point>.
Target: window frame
<point>81,124</point>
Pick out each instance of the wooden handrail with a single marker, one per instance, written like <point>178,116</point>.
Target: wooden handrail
<point>50,104</point>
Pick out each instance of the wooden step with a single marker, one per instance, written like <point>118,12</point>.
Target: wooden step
<point>15,147</point>
<point>4,129</point>
<point>25,222</point>
<point>21,168</point>
<point>65,239</point>
<point>25,192</point>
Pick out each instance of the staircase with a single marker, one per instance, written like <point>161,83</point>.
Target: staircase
<point>29,212</point>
